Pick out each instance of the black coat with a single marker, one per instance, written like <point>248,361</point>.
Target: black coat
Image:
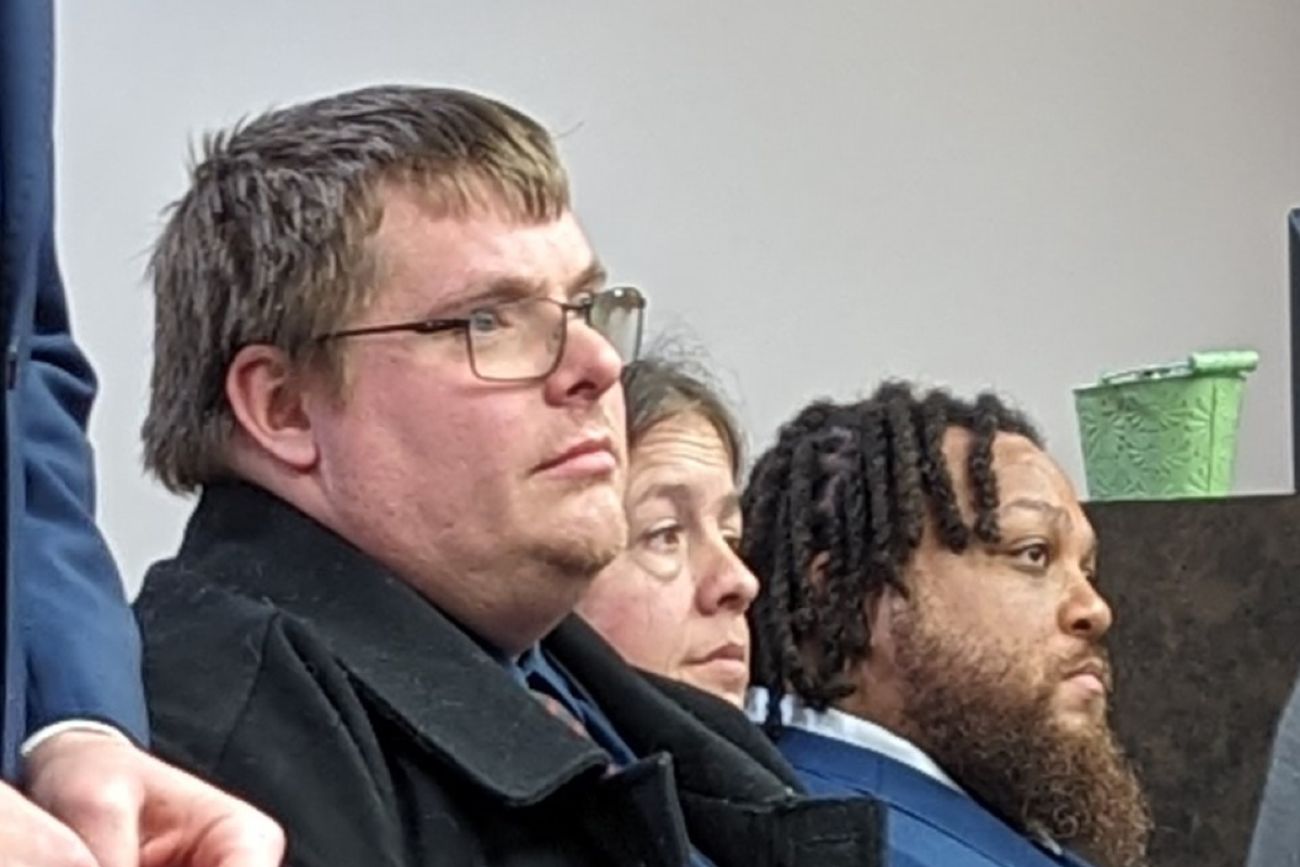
<point>291,668</point>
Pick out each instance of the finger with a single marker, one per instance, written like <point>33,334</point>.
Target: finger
<point>245,839</point>
<point>30,837</point>
<point>216,835</point>
<point>106,817</point>
<point>188,823</point>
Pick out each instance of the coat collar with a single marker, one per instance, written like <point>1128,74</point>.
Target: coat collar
<point>716,751</point>
<point>411,661</point>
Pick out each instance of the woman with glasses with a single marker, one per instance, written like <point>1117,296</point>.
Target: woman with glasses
<point>674,601</point>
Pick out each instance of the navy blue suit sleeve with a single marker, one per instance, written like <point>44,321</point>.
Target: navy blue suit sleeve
<point>81,642</point>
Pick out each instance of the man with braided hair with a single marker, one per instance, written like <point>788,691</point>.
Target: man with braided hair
<point>929,632</point>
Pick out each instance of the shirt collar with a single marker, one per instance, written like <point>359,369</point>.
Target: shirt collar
<point>840,726</point>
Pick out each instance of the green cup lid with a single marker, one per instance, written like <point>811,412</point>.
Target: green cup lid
<point>1221,362</point>
<point>1232,361</point>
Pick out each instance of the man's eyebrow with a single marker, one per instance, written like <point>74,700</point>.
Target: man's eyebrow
<point>501,289</point>
<point>592,279</point>
<point>1056,515</point>
<point>1032,505</point>
<point>495,289</point>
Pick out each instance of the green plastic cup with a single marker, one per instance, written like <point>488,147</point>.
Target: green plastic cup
<point>1167,431</point>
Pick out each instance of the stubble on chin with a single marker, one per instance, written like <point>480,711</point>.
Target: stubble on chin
<point>580,544</point>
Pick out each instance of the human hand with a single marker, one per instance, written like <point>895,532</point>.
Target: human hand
<point>30,837</point>
<point>133,810</point>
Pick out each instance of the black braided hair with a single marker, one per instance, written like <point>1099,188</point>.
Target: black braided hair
<point>847,490</point>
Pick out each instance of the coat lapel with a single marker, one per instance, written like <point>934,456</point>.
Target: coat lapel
<point>412,663</point>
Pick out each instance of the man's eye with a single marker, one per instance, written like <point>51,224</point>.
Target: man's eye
<point>486,320</point>
<point>1035,555</point>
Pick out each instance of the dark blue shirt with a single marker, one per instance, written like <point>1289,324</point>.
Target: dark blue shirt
<point>540,674</point>
<point>535,671</point>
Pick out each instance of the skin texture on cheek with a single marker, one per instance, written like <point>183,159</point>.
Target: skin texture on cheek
<point>643,618</point>
<point>438,473</point>
<point>673,602</point>
<point>967,598</point>
<point>1025,600</point>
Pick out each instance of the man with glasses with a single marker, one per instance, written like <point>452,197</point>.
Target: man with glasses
<point>387,359</point>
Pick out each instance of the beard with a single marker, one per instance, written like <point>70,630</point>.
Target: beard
<point>985,721</point>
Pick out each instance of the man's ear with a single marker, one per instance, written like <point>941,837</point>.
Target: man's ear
<point>879,608</point>
<point>266,394</point>
<point>880,613</point>
<point>817,570</point>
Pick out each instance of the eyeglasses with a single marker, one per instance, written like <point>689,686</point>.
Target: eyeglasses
<point>517,341</point>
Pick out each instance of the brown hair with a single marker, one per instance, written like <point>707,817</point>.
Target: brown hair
<point>659,387</point>
<point>270,244</point>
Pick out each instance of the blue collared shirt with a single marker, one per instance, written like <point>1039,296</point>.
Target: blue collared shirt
<point>534,670</point>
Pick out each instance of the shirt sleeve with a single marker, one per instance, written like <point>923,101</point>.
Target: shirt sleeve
<point>88,726</point>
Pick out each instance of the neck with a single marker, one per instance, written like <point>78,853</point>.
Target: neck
<point>510,625</point>
<point>875,699</point>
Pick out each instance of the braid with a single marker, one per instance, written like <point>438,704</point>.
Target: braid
<point>803,473</point>
<point>908,492</point>
<point>834,512</point>
<point>779,521</point>
<point>769,626</point>
<point>872,462</point>
<point>979,469</point>
<point>934,470</point>
<point>767,482</point>
<point>1014,421</point>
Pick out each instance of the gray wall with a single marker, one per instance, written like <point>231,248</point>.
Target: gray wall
<point>1014,192</point>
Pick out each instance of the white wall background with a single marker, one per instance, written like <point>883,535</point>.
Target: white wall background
<point>1010,192</point>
